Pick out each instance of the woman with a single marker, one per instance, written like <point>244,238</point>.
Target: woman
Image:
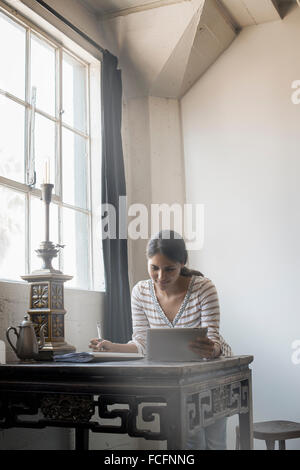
<point>175,296</point>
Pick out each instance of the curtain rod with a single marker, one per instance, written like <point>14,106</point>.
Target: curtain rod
<point>68,23</point>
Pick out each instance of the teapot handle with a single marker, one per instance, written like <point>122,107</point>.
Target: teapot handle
<point>8,338</point>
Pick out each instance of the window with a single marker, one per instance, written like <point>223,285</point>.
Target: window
<point>49,118</point>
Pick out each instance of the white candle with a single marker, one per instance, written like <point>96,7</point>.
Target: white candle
<point>47,172</point>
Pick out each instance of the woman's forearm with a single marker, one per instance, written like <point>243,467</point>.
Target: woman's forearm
<point>217,350</point>
<point>108,346</point>
<point>129,348</point>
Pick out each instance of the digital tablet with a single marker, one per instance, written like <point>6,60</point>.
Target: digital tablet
<point>172,344</point>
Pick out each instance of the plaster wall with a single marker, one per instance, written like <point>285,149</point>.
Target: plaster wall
<point>241,147</point>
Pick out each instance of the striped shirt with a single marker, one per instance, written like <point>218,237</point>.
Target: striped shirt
<point>200,308</point>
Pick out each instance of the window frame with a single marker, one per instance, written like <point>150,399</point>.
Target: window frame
<point>62,45</point>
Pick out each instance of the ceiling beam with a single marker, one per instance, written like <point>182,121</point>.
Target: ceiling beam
<point>146,6</point>
<point>252,12</point>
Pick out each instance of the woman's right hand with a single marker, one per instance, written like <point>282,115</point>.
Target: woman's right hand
<point>101,345</point>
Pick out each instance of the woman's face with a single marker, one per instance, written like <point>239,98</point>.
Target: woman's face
<point>163,271</point>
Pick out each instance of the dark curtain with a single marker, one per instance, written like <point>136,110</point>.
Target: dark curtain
<point>117,325</point>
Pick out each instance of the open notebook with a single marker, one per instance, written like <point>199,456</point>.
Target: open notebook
<point>96,357</point>
<point>116,356</point>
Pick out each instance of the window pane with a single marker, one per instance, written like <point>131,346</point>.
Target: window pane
<point>12,57</point>
<point>43,74</point>
<point>11,139</point>
<point>74,157</point>
<point>44,148</point>
<point>12,234</point>
<point>38,230</point>
<point>74,93</point>
<point>75,253</point>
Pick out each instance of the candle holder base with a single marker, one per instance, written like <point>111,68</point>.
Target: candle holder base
<point>49,351</point>
<point>47,251</point>
<point>47,307</point>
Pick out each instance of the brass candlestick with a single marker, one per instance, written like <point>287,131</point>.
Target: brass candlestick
<point>47,250</point>
<point>47,292</point>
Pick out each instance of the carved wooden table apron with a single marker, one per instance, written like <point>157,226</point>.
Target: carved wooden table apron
<point>182,396</point>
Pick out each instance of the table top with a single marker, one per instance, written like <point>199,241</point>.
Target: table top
<point>136,368</point>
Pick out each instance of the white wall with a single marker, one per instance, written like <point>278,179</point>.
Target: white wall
<point>153,157</point>
<point>167,163</point>
<point>241,142</point>
<point>136,148</point>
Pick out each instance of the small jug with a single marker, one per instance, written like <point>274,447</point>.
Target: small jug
<point>27,346</point>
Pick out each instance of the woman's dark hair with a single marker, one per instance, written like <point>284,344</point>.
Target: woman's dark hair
<point>170,244</point>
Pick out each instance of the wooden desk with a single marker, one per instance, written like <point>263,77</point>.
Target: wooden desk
<point>185,396</point>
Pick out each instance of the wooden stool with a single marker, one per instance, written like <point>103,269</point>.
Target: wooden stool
<point>271,431</point>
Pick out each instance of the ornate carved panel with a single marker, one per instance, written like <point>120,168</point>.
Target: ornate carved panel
<point>129,416</point>
<point>57,296</point>
<point>40,296</point>
<point>244,396</point>
<point>14,404</point>
<point>72,408</point>
<point>38,319</point>
<point>57,325</point>
<point>47,306</point>
<point>224,400</point>
<point>77,410</point>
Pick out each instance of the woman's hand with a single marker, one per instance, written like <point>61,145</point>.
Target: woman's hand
<point>104,345</point>
<point>205,347</point>
<point>101,345</point>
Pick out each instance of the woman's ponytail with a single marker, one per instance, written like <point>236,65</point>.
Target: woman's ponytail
<point>186,272</point>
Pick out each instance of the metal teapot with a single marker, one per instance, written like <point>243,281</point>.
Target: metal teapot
<point>27,346</point>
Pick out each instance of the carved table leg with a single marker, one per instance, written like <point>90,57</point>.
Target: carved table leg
<point>176,422</point>
<point>246,419</point>
<point>81,439</point>
<point>245,435</point>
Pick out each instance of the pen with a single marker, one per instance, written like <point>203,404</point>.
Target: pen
<point>99,331</point>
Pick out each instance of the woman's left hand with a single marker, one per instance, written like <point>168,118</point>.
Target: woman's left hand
<point>204,346</point>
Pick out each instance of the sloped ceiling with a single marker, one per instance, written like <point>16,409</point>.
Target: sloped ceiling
<point>245,12</point>
<point>251,12</point>
<point>165,46</point>
<point>111,8</point>
<point>207,35</point>
<point>144,42</point>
